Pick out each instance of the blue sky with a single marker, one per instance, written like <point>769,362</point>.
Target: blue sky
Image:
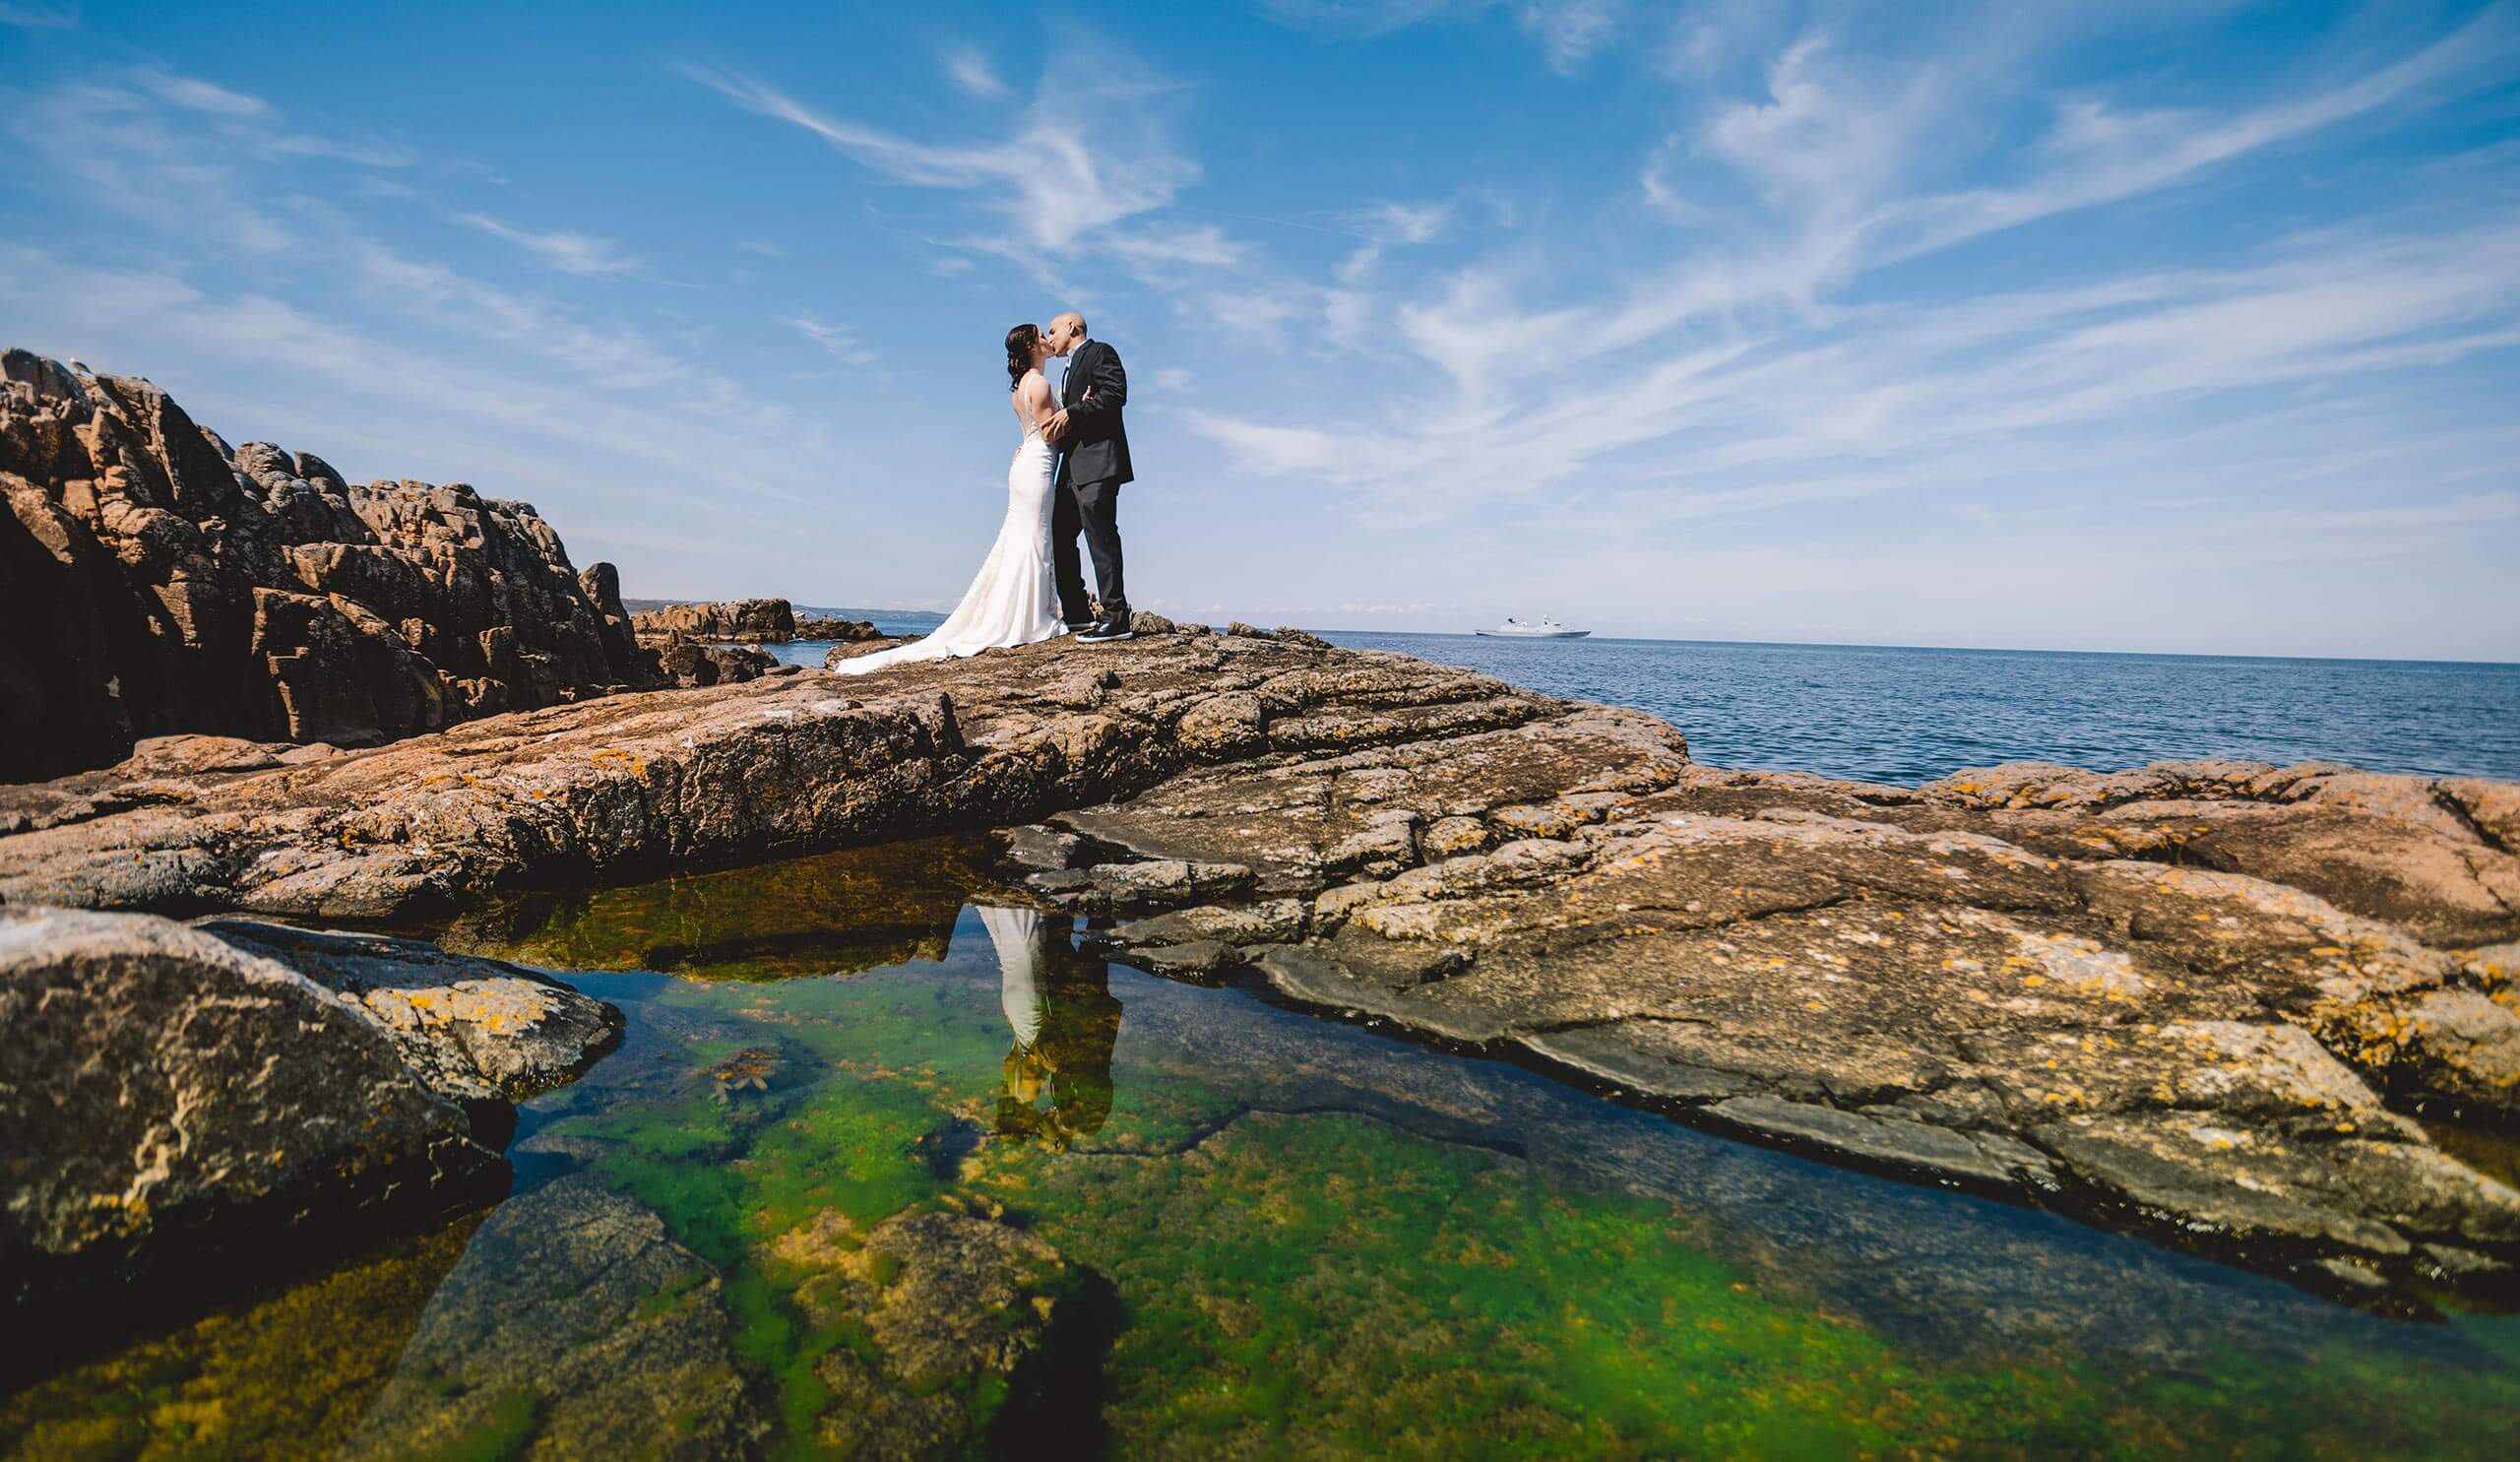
<point>2184,327</point>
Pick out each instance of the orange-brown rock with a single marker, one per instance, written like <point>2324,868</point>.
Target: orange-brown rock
<point>154,581</point>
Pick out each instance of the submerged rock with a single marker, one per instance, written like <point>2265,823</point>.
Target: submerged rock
<point>572,1327</point>
<point>949,1310</point>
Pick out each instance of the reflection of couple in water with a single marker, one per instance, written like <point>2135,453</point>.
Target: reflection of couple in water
<point>1058,1074</point>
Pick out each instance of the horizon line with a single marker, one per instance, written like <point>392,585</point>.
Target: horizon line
<point>1808,644</point>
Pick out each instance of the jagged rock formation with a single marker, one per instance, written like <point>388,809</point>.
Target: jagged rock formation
<point>185,1106</point>
<point>687,661</point>
<point>749,621</point>
<point>2205,998</point>
<point>156,581</point>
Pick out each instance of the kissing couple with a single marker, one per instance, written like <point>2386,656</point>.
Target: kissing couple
<point>1066,479</point>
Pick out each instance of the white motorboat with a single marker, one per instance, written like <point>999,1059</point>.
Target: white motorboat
<point>1547,629</point>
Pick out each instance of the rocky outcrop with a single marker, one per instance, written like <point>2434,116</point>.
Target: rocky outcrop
<point>573,1323</point>
<point>186,1108</point>
<point>2207,999</point>
<point>824,627</point>
<point>851,649</point>
<point>154,581</point>
<point>749,621</point>
<point>687,661</point>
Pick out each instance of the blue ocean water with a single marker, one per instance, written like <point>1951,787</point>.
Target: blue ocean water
<point>1882,714</point>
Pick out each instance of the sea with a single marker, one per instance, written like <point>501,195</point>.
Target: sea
<point>1880,713</point>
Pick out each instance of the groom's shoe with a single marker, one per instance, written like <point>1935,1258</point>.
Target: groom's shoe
<point>1114,628</point>
<point>1079,626</point>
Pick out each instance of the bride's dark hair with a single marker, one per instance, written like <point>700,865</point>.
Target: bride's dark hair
<point>1020,342</point>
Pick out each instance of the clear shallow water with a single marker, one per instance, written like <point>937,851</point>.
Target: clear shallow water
<point>1322,1241</point>
<point>1882,714</point>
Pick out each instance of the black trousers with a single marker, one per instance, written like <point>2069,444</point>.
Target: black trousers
<point>1092,508</point>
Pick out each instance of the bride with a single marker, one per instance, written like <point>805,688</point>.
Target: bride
<point>1015,599</point>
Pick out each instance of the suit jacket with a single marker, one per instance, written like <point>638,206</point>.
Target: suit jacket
<point>1098,439</point>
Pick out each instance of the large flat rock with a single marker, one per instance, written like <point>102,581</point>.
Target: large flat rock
<point>2094,993</point>
<point>631,785</point>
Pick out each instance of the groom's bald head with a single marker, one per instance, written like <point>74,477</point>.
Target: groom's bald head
<point>1067,327</point>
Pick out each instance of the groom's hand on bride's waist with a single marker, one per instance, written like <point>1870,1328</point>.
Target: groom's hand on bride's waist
<point>1057,426</point>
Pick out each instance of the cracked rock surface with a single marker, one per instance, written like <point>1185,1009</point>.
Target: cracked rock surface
<point>2208,1000</point>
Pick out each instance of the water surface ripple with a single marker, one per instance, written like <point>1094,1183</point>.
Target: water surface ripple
<point>1886,714</point>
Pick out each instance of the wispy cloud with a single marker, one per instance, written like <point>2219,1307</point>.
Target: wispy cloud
<point>968,68</point>
<point>174,149</point>
<point>39,17</point>
<point>1049,180</point>
<point>1739,382</point>
<point>1569,32</point>
<point>840,341</point>
<point>565,250</point>
<point>195,94</point>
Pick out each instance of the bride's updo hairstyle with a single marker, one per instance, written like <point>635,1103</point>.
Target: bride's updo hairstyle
<point>1020,342</point>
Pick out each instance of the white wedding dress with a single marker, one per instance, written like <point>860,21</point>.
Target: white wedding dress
<point>1015,599</point>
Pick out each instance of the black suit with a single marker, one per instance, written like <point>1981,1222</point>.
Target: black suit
<point>1093,461</point>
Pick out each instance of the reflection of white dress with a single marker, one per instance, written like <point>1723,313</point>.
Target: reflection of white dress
<point>1013,933</point>
<point>1015,599</point>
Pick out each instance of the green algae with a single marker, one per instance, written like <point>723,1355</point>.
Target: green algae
<point>1328,1284</point>
<point>1304,1281</point>
<point>501,1435</point>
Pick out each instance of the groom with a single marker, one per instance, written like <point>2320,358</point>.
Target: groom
<point>1093,461</point>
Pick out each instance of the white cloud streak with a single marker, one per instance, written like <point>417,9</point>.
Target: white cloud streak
<point>970,70</point>
<point>565,250</point>
<point>1049,183</point>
